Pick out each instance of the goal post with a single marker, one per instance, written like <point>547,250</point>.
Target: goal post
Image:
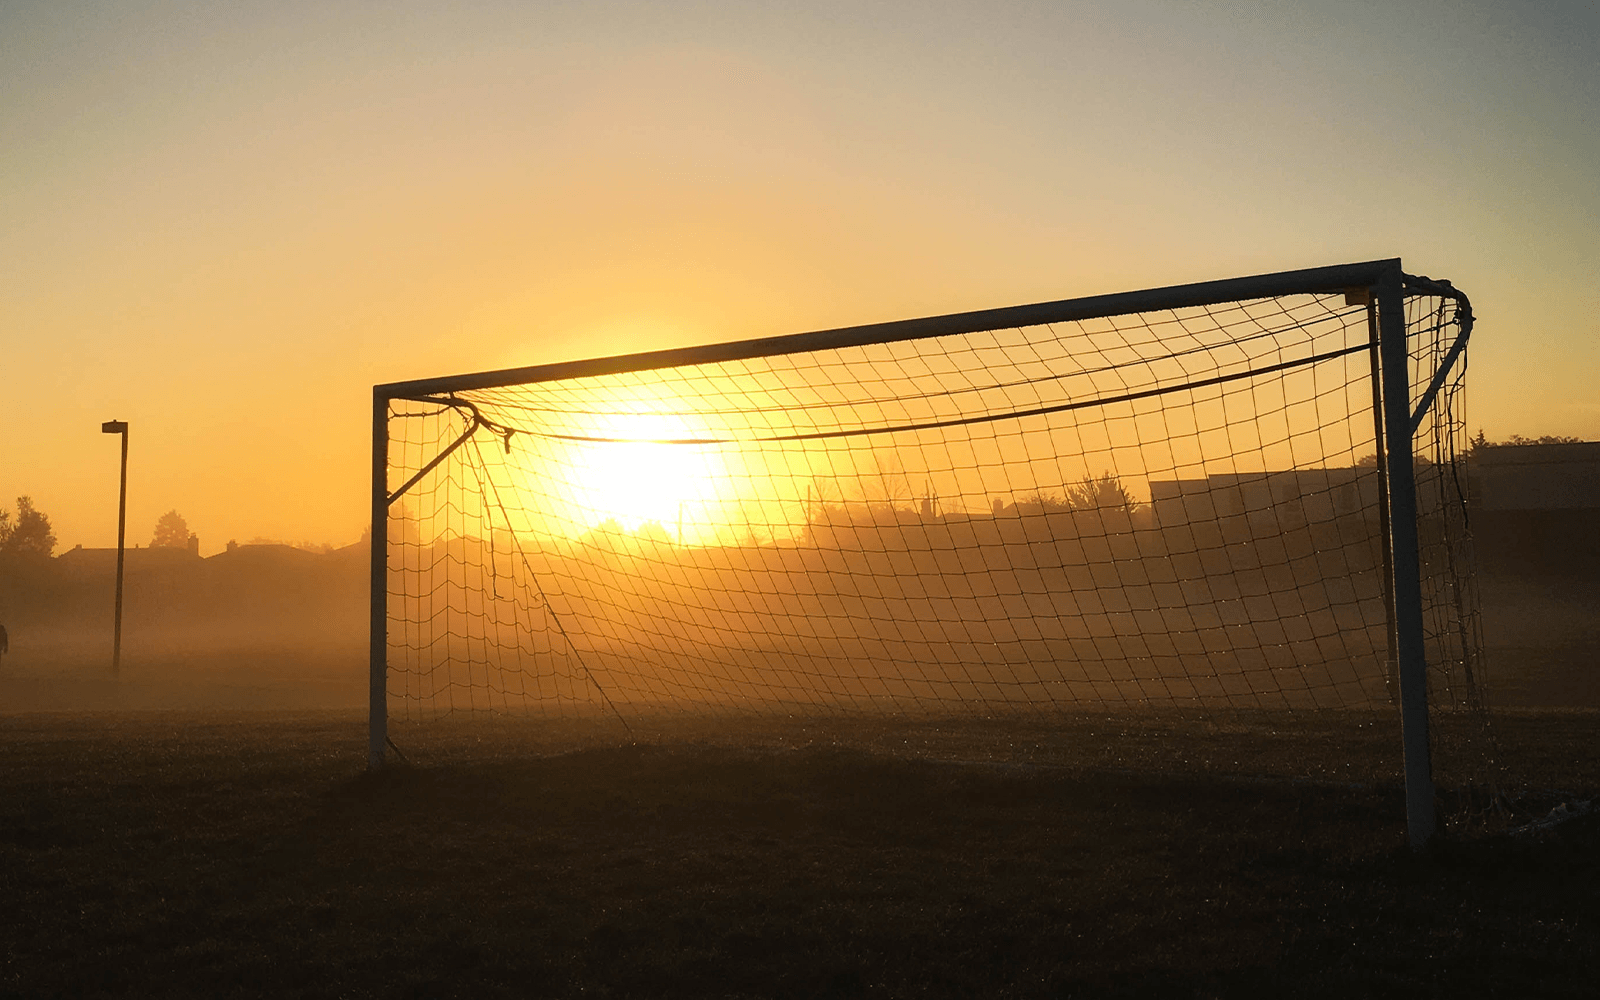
<point>1202,498</point>
<point>1394,366</point>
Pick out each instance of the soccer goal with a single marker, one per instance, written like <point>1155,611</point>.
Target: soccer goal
<point>1238,496</point>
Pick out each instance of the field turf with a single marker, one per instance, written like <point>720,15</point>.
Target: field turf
<point>160,854</point>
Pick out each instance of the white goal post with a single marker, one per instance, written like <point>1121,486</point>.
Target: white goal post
<point>1243,495</point>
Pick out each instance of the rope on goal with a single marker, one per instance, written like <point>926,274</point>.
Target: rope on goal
<point>533,577</point>
<point>987,418</point>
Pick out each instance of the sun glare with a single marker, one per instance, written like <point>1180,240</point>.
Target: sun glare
<point>637,479</point>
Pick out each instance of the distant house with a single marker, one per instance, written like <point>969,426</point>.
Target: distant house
<point>86,562</point>
<point>1537,506</point>
<point>1530,477</point>
<point>1266,500</point>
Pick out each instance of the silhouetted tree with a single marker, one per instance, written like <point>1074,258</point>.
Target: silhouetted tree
<point>654,531</point>
<point>1518,441</point>
<point>172,532</point>
<point>1370,460</point>
<point>29,535</point>
<point>1104,492</point>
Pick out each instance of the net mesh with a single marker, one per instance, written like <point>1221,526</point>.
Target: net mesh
<point>1176,510</point>
<point>1466,754</point>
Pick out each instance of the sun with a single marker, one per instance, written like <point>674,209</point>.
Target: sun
<point>637,478</point>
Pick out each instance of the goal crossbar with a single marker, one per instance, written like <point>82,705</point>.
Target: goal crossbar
<point>1332,278</point>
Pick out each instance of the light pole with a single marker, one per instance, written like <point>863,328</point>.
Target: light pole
<point>119,427</point>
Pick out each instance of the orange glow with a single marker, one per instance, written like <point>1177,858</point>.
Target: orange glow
<point>636,480</point>
<point>225,223</point>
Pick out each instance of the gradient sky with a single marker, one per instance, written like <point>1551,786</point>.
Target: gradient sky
<point>223,223</point>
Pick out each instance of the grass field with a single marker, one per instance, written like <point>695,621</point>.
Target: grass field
<point>246,855</point>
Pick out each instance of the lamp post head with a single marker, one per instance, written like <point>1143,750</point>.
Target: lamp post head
<point>114,427</point>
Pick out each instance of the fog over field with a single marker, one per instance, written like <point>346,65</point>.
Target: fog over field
<point>261,626</point>
<point>270,626</point>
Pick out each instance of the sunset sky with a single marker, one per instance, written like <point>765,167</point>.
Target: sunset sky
<point>224,223</point>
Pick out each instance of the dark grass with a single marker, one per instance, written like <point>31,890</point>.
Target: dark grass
<point>183,855</point>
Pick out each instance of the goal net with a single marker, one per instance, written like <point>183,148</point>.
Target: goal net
<point>1174,500</point>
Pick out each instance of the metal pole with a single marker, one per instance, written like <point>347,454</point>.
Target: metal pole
<point>1260,286</point>
<point>378,625</point>
<point>1421,820</point>
<point>1391,668</point>
<point>119,427</point>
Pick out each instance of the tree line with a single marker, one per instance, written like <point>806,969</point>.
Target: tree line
<point>27,534</point>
